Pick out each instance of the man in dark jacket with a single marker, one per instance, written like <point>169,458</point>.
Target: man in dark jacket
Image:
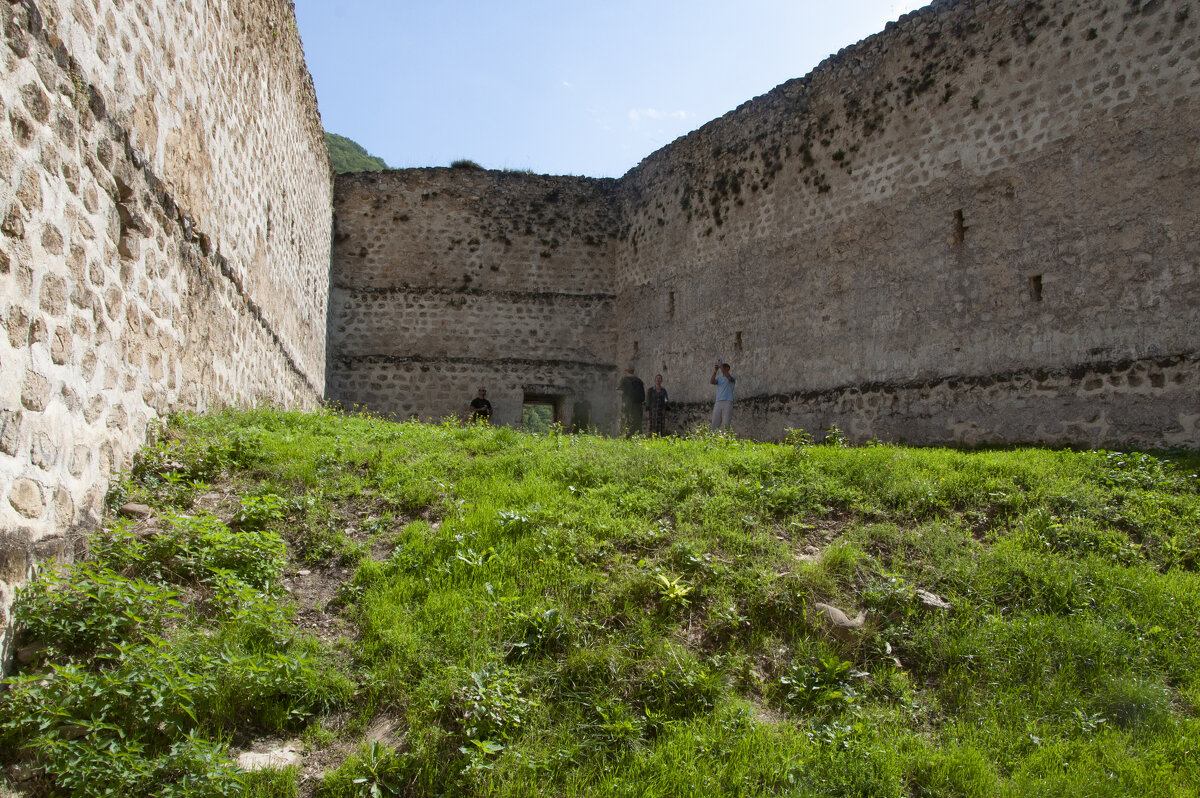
<point>481,408</point>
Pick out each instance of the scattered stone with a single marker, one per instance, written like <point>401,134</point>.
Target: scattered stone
<point>277,758</point>
<point>837,618</point>
<point>304,572</point>
<point>30,653</point>
<point>932,600</point>
<point>810,554</point>
<point>71,731</point>
<point>135,510</point>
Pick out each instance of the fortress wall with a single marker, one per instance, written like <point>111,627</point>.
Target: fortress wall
<point>164,205</point>
<point>978,225</point>
<point>216,97</point>
<point>448,279</point>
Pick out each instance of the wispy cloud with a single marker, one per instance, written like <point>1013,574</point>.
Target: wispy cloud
<point>636,115</point>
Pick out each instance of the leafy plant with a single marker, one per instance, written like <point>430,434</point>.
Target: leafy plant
<point>835,436</point>
<point>493,705</point>
<point>824,685</point>
<point>373,771</point>
<point>797,437</point>
<point>85,610</point>
<point>257,512</point>
<point>673,592</point>
<point>200,546</point>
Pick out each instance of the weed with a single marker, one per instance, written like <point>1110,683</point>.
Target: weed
<point>493,707</point>
<point>673,592</point>
<point>797,437</point>
<point>257,512</point>
<point>373,771</point>
<point>826,685</point>
<point>85,610</point>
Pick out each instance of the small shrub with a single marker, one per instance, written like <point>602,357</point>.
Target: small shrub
<point>375,770</point>
<point>824,686</point>
<point>83,610</point>
<point>201,545</point>
<point>122,730</point>
<point>797,437</point>
<point>464,163</point>
<point>493,707</point>
<point>257,512</point>
<point>836,437</point>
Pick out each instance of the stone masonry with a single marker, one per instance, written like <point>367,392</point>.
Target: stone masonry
<point>979,225</point>
<point>445,280</point>
<point>165,199</point>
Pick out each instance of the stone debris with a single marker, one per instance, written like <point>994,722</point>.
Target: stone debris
<point>932,600</point>
<point>27,654</point>
<point>277,758</point>
<point>135,510</point>
<point>810,554</point>
<point>838,623</point>
<point>839,619</point>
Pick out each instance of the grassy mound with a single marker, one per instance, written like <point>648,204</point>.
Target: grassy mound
<point>446,610</point>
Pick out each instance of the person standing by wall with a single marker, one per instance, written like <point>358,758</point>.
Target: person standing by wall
<point>633,397</point>
<point>656,407</point>
<point>481,408</point>
<point>723,406</point>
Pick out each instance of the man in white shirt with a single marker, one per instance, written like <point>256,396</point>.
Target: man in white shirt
<point>723,406</point>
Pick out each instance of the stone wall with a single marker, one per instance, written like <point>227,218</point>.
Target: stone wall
<point>978,225</point>
<point>445,280</point>
<point>165,199</point>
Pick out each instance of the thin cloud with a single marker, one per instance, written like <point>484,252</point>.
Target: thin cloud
<point>636,115</point>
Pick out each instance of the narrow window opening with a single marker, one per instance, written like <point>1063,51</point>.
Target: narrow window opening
<point>635,348</point>
<point>1035,288</point>
<point>671,305</point>
<point>960,227</point>
<point>737,342</point>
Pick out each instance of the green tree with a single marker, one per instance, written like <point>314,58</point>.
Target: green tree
<point>349,156</point>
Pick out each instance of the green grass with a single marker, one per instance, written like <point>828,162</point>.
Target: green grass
<point>572,615</point>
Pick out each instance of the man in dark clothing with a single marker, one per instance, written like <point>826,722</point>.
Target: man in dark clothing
<point>656,407</point>
<point>481,408</point>
<point>633,397</point>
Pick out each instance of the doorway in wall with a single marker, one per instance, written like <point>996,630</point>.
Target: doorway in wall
<point>540,411</point>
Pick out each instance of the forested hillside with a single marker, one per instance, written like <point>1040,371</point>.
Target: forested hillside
<point>349,156</point>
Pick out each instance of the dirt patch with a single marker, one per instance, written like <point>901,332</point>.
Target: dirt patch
<point>315,591</point>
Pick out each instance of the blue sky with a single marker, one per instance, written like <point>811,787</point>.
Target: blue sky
<point>566,87</point>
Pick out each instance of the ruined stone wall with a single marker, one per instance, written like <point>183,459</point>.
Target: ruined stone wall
<point>165,200</point>
<point>444,280</point>
<point>978,225</point>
